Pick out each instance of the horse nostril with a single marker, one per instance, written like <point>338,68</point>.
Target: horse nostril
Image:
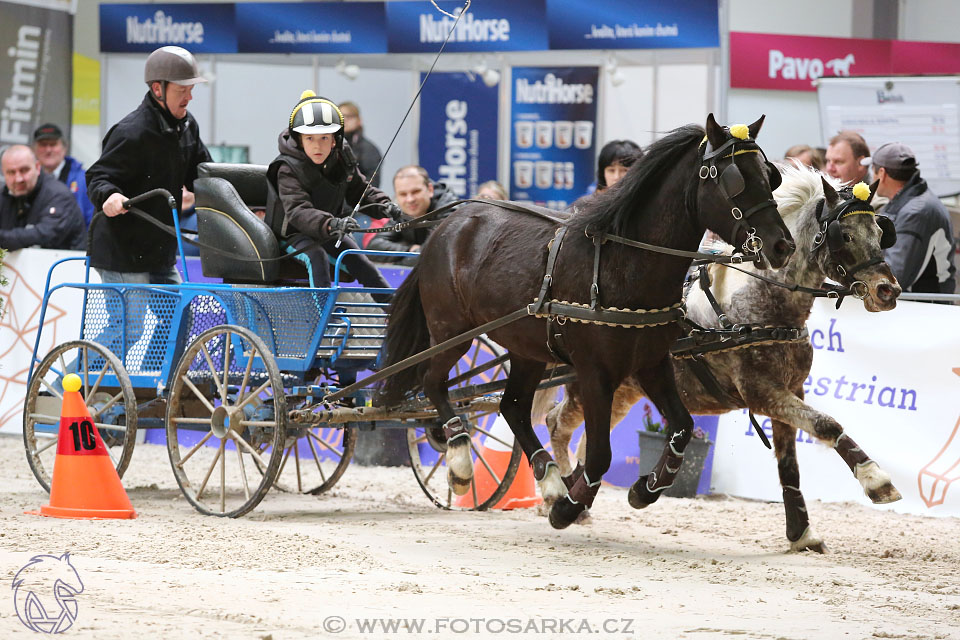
<point>887,292</point>
<point>784,247</point>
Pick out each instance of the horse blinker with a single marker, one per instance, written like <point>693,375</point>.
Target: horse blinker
<point>888,236</point>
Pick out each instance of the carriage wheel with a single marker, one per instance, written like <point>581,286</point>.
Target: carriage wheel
<point>106,390</point>
<point>315,460</point>
<point>428,460</point>
<point>227,455</point>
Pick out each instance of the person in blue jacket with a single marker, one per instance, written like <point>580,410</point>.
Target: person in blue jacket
<point>51,149</point>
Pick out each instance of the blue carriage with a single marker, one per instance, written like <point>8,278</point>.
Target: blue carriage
<point>231,375</point>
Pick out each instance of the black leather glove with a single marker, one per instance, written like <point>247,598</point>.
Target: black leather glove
<point>340,227</point>
<point>394,211</point>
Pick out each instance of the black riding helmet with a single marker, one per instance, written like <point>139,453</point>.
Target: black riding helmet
<point>313,114</point>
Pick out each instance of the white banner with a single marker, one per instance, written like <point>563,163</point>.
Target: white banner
<point>26,272</point>
<point>888,379</point>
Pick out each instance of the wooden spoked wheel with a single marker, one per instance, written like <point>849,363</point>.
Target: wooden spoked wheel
<point>226,421</point>
<point>495,455</point>
<point>315,458</point>
<point>107,393</point>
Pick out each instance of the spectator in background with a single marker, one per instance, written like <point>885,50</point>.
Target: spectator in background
<point>368,156</point>
<point>922,258</point>
<point>615,159</point>
<point>417,195</point>
<point>491,190</point>
<point>51,149</point>
<point>35,209</point>
<point>805,154</point>
<point>845,153</point>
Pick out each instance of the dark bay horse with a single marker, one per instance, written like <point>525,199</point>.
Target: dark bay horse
<point>485,262</point>
<point>769,378</point>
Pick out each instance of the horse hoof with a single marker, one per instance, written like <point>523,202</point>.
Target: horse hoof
<point>564,513</point>
<point>458,485</point>
<point>884,495</point>
<point>638,496</point>
<point>809,541</point>
<point>584,518</point>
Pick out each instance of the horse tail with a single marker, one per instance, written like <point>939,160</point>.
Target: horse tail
<point>543,401</point>
<point>407,335</point>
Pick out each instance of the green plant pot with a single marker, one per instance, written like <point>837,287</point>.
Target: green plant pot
<point>694,455</point>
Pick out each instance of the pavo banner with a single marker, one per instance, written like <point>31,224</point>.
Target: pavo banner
<point>35,70</point>
<point>458,130</point>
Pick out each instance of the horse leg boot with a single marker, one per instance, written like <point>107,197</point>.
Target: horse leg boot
<point>661,388</point>
<point>596,398</point>
<point>875,481</point>
<point>459,461</point>
<point>516,406</point>
<point>801,535</point>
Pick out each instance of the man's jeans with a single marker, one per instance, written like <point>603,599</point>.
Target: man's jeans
<point>135,304</point>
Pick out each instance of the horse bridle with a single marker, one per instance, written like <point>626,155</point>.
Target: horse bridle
<point>731,184</point>
<point>831,234</point>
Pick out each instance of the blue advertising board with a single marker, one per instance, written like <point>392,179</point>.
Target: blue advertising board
<point>199,28</point>
<point>458,131</point>
<point>554,114</point>
<point>638,24</point>
<point>491,25</point>
<point>409,27</point>
<point>311,27</point>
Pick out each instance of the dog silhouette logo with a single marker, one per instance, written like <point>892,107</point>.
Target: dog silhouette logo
<point>45,593</point>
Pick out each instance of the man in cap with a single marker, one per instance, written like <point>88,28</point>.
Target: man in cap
<point>51,149</point>
<point>35,209</point>
<point>922,257</point>
<point>157,145</point>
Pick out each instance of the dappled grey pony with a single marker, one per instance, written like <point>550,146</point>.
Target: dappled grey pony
<point>768,378</point>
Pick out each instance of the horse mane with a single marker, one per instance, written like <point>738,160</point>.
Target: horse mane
<point>797,199</point>
<point>612,209</point>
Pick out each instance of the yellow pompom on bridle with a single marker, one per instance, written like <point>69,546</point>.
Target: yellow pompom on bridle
<point>861,191</point>
<point>740,131</point>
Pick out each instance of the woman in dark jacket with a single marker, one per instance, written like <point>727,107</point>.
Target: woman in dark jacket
<point>309,182</point>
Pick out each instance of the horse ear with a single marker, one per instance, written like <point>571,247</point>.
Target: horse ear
<point>873,190</point>
<point>755,127</point>
<point>715,133</point>
<point>829,192</point>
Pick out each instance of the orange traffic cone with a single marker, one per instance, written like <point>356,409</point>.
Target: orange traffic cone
<point>85,484</point>
<point>522,494</point>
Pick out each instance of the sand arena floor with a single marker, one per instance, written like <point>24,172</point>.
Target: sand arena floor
<point>375,550</point>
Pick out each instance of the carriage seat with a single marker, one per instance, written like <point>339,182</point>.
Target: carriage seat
<point>226,195</point>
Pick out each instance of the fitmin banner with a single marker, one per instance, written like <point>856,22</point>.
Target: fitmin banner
<point>792,63</point>
<point>892,380</point>
<point>552,144</point>
<point>458,131</point>
<point>35,72</point>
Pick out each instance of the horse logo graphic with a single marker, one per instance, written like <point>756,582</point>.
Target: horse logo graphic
<point>44,593</point>
<point>936,477</point>
<point>841,66</point>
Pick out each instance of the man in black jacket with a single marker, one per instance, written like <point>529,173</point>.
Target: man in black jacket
<point>155,146</point>
<point>36,209</point>
<point>417,195</point>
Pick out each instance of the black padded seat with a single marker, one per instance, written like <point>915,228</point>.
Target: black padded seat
<point>226,193</point>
